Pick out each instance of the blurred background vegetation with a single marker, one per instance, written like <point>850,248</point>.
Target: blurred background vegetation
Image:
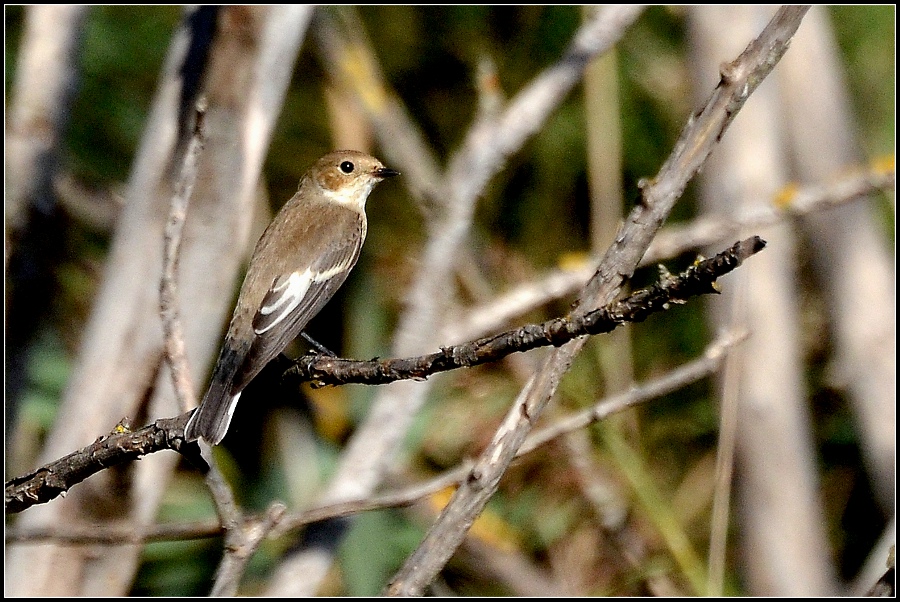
<point>534,216</point>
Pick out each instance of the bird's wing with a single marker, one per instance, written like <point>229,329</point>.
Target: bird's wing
<point>291,302</point>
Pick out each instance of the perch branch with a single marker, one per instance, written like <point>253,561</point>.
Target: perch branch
<point>697,280</point>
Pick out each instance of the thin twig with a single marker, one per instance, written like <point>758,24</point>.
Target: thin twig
<point>168,302</point>
<point>109,535</point>
<point>395,499</point>
<point>790,202</point>
<point>706,365</point>
<point>230,515</point>
<point>168,288</point>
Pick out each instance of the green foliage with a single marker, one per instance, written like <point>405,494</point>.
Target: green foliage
<point>374,549</point>
<point>12,16</point>
<point>122,54</point>
<point>47,376</point>
<point>861,32</point>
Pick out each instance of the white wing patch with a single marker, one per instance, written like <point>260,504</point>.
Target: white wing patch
<point>293,289</point>
<point>291,292</point>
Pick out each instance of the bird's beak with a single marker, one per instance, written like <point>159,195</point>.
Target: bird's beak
<point>383,172</point>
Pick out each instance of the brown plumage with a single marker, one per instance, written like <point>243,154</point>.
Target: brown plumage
<point>301,259</point>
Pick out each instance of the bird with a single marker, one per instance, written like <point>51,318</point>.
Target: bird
<point>299,262</point>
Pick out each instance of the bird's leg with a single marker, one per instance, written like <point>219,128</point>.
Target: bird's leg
<point>319,348</point>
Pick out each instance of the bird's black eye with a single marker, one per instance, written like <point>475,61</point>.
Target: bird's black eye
<point>347,167</point>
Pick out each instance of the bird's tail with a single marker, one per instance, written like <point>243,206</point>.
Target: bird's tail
<point>212,418</point>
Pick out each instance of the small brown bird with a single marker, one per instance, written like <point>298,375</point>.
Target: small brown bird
<point>301,259</point>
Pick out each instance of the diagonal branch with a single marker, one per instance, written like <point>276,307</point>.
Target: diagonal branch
<point>57,477</point>
<point>700,135</point>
